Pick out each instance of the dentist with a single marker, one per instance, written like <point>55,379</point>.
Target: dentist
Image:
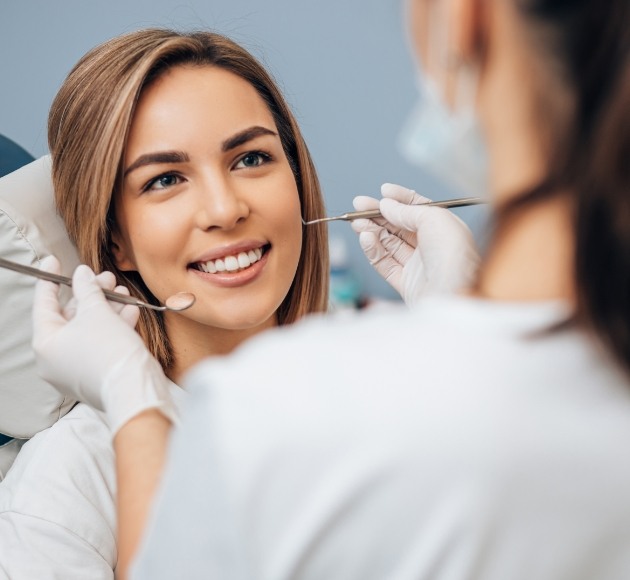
<point>480,434</point>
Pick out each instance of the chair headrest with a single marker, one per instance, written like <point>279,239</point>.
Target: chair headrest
<point>12,156</point>
<point>30,230</point>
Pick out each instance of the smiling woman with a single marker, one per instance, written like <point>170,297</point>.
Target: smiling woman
<point>208,203</point>
<point>178,166</point>
<point>174,154</point>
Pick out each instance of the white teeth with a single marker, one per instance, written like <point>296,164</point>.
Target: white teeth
<point>243,260</point>
<point>232,263</point>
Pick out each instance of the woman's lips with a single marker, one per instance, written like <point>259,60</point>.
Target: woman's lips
<point>230,278</point>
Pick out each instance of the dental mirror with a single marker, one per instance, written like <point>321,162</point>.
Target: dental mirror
<point>180,301</point>
<point>175,303</point>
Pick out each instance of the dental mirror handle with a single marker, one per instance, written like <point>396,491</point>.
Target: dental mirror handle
<point>115,296</point>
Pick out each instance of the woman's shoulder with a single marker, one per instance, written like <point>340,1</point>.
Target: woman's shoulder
<point>65,476</point>
<point>80,437</point>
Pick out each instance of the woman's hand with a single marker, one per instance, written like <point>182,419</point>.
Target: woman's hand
<point>418,249</point>
<point>90,352</point>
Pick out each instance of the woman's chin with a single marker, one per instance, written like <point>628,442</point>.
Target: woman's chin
<point>238,322</point>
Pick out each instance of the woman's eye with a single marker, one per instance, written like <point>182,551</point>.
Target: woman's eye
<point>252,160</point>
<point>163,182</point>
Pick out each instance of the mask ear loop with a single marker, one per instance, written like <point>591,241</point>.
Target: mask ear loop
<point>467,85</point>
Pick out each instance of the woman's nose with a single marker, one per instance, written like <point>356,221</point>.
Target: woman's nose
<point>220,206</point>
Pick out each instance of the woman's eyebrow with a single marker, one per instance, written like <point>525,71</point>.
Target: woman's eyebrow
<point>244,136</point>
<point>180,157</point>
<point>157,157</point>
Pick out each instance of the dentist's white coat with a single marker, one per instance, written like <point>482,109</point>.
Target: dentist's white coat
<point>443,443</point>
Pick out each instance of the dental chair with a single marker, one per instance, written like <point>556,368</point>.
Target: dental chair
<point>30,230</point>
<point>12,156</point>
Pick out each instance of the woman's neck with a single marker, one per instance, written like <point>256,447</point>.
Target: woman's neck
<point>532,257</point>
<point>192,342</point>
<point>525,108</point>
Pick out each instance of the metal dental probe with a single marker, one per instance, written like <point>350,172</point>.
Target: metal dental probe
<point>375,213</point>
<point>176,302</point>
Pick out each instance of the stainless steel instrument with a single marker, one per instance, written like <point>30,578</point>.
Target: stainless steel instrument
<point>375,213</point>
<point>176,303</point>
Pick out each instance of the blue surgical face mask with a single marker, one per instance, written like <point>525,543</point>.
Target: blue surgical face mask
<point>448,145</point>
<point>445,142</point>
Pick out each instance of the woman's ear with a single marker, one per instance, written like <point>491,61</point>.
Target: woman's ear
<point>119,250</point>
<point>469,24</point>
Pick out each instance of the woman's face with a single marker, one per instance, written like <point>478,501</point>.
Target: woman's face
<point>209,203</point>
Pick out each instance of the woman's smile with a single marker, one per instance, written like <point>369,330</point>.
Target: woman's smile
<point>233,266</point>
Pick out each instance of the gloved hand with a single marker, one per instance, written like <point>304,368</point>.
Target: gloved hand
<point>419,250</point>
<point>90,352</point>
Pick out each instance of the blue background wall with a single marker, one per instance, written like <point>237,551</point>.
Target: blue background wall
<point>343,65</point>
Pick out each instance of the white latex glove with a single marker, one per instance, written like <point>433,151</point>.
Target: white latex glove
<point>419,250</point>
<point>90,352</point>
<point>107,281</point>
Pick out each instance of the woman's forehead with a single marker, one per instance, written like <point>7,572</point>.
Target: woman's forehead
<point>187,102</point>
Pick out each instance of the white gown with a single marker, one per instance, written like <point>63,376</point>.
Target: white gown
<point>57,502</point>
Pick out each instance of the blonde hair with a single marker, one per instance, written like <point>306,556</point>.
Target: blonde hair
<point>88,127</point>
